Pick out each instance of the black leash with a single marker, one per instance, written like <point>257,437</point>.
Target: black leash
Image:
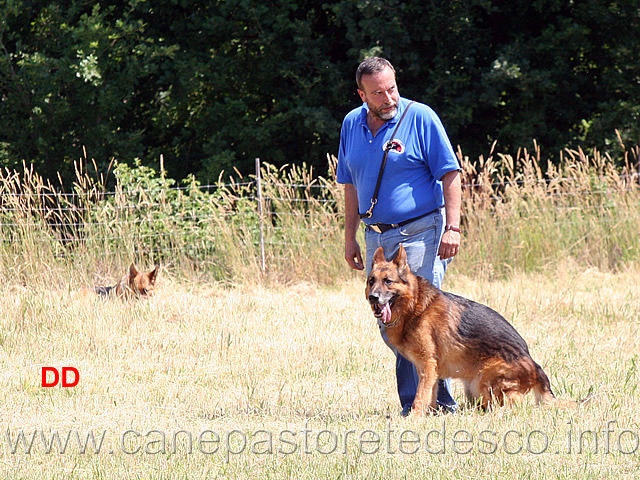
<point>390,145</point>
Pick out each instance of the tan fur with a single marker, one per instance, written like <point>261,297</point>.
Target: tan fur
<point>138,284</point>
<point>134,284</point>
<point>425,326</point>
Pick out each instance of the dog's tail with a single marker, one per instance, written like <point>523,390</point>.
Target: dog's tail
<point>544,395</point>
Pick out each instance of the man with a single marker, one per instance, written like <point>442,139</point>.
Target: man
<point>418,203</point>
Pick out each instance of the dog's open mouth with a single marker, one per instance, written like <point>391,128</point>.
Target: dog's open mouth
<point>383,311</point>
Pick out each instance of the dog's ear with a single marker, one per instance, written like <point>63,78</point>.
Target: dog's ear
<point>131,276</point>
<point>133,271</point>
<point>401,257</point>
<point>400,261</point>
<point>378,257</point>
<point>153,275</point>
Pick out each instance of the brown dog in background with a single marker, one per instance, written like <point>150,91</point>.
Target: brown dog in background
<point>133,284</point>
<point>447,336</point>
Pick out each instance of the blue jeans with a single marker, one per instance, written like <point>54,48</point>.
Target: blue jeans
<point>421,240</point>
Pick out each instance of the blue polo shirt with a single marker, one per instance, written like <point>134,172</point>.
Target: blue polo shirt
<point>411,183</point>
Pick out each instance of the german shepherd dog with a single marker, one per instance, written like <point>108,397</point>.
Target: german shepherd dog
<point>133,284</point>
<point>447,336</point>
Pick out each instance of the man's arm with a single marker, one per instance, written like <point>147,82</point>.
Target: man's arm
<point>452,188</point>
<point>351,223</point>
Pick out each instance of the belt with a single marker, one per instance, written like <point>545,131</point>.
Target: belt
<point>385,227</point>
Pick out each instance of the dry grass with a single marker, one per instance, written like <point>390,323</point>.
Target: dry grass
<point>519,215</point>
<point>253,363</point>
<point>282,374</point>
<point>524,214</point>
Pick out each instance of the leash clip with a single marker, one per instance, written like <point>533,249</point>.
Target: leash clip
<point>369,213</point>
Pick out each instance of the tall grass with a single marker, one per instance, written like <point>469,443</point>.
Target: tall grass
<point>281,376</point>
<point>519,214</point>
<point>305,367</point>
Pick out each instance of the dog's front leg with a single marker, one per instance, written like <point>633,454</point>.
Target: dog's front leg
<point>426,393</point>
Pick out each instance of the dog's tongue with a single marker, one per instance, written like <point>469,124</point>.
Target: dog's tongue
<point>386,314</point>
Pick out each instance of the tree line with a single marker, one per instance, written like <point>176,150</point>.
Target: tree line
<point>211,85</point>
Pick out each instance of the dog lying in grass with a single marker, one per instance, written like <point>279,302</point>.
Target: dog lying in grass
<point>134,284</point>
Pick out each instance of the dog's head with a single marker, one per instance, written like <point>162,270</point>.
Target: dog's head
<point>387,283</point>
<point>140,283</point>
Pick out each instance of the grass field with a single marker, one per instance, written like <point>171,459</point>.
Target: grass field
<point>283,382</point>
<point>235,372</point>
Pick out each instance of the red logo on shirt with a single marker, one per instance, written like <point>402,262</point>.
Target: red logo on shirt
<point>394,146</point>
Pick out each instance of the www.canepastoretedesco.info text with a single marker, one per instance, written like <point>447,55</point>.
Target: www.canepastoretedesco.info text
<point>608,439</point>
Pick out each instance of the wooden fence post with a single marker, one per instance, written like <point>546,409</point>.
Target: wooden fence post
<point>260,215</point>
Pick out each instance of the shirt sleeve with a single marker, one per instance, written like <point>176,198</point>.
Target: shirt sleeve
<point>438,152</point>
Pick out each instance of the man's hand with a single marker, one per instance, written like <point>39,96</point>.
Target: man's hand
<point>351,223</point>
<point>449,245</point>
<point>452,189</point>
<point>353,255</point>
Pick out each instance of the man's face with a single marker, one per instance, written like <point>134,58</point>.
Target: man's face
<point>380,92</point>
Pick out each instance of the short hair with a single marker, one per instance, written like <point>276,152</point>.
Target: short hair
<point>371,66</point>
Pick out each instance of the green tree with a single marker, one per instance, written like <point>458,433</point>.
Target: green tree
<point>212,85</point>
<point>75,76</point>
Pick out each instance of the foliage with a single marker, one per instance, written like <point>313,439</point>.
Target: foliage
<point>285,226</point>
<point>213,85</point>
<point>523,215</point>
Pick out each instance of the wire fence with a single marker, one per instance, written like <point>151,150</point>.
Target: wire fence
<point>275,216</point>
<point>262,207</point>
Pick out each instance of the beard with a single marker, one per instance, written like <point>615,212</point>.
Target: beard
<point>382,114</point>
